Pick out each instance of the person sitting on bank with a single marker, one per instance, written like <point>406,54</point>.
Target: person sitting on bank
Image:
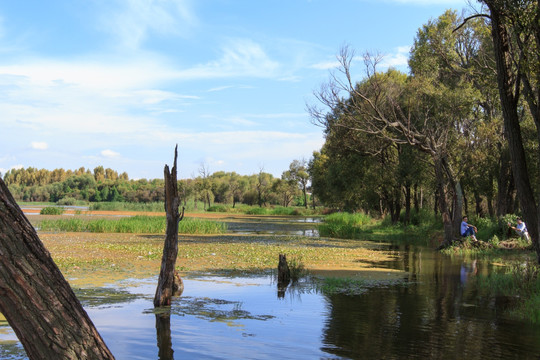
<point>521,229</point>
<point>468,229</point>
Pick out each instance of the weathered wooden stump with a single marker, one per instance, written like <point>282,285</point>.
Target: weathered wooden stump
<point>284,275</point>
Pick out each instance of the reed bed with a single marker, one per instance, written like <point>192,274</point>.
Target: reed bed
<point>135,224</point>
<point>345,225</point>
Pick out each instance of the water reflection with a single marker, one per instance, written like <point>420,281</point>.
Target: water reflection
<point>163,332</point>
<point>440,313</point>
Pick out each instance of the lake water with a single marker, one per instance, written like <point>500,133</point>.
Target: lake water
<point>438,312</point>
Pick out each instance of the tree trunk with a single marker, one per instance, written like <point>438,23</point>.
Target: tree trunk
<point>443,207</point>
<point>407,203</point>
<point>164,290</point>
<point>36,299</point>
<point>416,200</point>
<point>509,100</point>
<point>504,181</point>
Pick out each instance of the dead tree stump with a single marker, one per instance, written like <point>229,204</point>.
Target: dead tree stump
<point>165,287</point>
<point>284,275</point>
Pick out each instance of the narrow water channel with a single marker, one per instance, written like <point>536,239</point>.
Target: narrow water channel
<point>438,312</point>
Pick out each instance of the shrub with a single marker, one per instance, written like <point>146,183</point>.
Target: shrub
<point>52,210</point>
<point>218,208</point>
<point>70,201</point>
<point>344,225</point>
<point>257,211</point>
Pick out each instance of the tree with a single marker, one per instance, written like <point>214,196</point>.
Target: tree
<point>511,72</point>
<point>36,299</point>
<point>400,110</point>
<point>298,171</point>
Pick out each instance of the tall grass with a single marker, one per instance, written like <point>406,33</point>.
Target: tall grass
<point>136,224</point>
<point>345,225</point>
<point>521,281</point>
<point>52,210</point>
<point>128,206</point>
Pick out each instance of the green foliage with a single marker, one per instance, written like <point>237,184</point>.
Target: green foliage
<point>334,285</point>
<point>344,225</point>
<point>136,224</point>
<point>128,206</point>
<point>297,268</point>
<point>218,208</point>
<point>69,201</point>
<point>257,211</point>
<point>52,210</point>
<point>521,282</point>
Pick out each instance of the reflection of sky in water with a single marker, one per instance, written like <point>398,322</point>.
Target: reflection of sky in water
<point>292,328</point>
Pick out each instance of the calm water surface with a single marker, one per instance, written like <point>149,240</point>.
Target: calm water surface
<point>438,312</point>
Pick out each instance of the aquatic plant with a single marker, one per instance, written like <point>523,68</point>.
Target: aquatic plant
<point>521,282</point>
<point>297,268</point>
<point>52,210</point>
<point>345,225</point>
<point>336,285</point>
<point>135,224</point>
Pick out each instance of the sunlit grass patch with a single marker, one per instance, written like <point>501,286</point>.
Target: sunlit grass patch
<point>345,225</point>
<point>136,224</point>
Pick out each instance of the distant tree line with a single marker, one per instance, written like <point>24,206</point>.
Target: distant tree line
<point>104,184</point>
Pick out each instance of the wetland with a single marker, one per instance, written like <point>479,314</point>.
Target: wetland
<point>358,299</point>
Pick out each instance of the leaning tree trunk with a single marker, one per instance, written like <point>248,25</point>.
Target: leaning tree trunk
<point>164,290</point>
<point>36,299</point>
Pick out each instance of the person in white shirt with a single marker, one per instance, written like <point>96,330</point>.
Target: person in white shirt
<point>521,229</point>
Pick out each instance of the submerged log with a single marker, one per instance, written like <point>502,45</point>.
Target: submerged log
<point>164,290</point>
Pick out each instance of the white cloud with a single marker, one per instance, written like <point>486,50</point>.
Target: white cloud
<point>326,65</point>
<point>39,145</point>
<point>109,153</point>
<point>398,59</point>
<point>240,57</point>
<point>137,18</point>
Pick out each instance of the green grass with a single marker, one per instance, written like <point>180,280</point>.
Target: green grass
<point>332,286</point>
<point>521,282</point>
<point>51,210</point>
<point>136,224</point>
<point>345,225</point>
<point>128,206</point>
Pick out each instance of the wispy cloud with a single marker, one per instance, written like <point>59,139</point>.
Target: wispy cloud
<point>397,59</point>
<point>39,145</point>
<point>109,153</point>
<point>326,65</point>
<point>239,57</point>
<point>135,19</point>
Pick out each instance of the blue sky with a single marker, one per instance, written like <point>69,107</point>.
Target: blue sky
<point>119,82</point>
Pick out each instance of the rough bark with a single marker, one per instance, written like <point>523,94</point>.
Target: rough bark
<point>164,290</point>
<point>36,299</point>
<point>443,205</point>
<point>508,84</point>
